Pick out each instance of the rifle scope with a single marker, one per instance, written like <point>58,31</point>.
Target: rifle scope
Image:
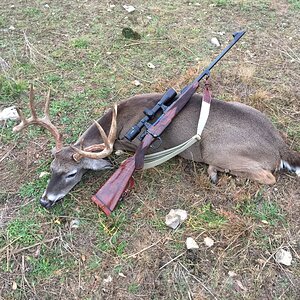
<point>150,113</point>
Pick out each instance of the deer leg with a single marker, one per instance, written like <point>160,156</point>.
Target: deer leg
<point>213,173</point>
<point>260,175</point>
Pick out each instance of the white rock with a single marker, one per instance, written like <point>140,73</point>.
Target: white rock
<point>215,42</point>
<point>150,65</point>
<point>175,217</point>
<point>11,27</point>
<point>136,83</point>
<point>231,274</point>
<point>46,5</point>
<point>43,174</point>
<point>191,243</point>
<point>107,280</point>
<point>283,257</point>
<point>122,275</point>
<point>9,113</point>
<point>129,8</point>
<point>209,242</point>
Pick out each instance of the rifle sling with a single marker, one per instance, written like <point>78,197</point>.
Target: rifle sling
<point>155,159</point>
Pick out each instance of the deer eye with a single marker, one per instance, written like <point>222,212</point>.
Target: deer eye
<point>71,175</point>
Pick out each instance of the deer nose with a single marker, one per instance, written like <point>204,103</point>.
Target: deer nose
<point>46,203</point>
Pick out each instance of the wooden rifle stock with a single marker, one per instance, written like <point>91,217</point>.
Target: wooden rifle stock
<point>110,193</point>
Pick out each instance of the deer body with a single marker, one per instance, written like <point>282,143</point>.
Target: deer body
<point>237,139</point>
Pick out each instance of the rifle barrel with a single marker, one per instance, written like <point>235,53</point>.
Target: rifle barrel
<point>237,36</point>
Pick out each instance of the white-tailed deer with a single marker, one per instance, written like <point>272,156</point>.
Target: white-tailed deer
<point>237,139</point>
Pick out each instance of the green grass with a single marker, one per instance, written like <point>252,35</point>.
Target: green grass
<point>32,12</point>
<point>80,43</point>
<point>110,233</point>
<point>295,3</point>
<point>262,210</point>
<point>10,90</point>
<point>26,232</point>
<point>206,217</point>
<point>133,288</point>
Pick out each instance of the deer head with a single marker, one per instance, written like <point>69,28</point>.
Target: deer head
<point>70,162</point>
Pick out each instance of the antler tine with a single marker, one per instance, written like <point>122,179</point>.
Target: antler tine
<point>47,102</point>
<point>108,142</point>
<point>44,122</point>
<point>113,129</point>
<point>31,102</point>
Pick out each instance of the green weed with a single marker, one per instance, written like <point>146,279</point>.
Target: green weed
<point>80,43</point>
<point>133,288</point>
<point>295,3</point>
<point>32,12</point>
<point>110,232</point>
<point>94,262</point>
<point>34,188</point>
<point>10,89</point>
<point>205,217</point>
<point>26,232</point>
<point>261,209</point>
<point>222,3</point>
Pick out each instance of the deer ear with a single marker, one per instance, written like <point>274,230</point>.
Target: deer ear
<point>96,164</point>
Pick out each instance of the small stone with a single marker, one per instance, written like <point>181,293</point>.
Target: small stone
<point>191,243</point>
<point>107,280</point>
<point>108,53</point>
<point>11,27</point>
<point>175,217</point>
<point>129,8</point>
<point>9,113</point>
<point>122,275</point>
<point>209,242</point>
<point>149,17</point>
<point>215,42</point>
<point>46,5</point>
<point>14,285</point>
<point>265,222</point>
<point>150,65</point>
<point>136,83</point>
<point>231,274</point>
<point>283,257</point>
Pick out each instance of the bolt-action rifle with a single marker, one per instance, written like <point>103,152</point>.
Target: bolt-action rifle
<point>111,192</point>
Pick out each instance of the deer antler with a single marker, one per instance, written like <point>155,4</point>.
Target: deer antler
<point>44,122</point>
<point>106,147</point>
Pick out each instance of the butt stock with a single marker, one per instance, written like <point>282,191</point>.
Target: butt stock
<point>110,193</point>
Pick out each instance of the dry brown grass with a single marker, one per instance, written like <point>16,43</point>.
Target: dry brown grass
<point>91,66</point>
